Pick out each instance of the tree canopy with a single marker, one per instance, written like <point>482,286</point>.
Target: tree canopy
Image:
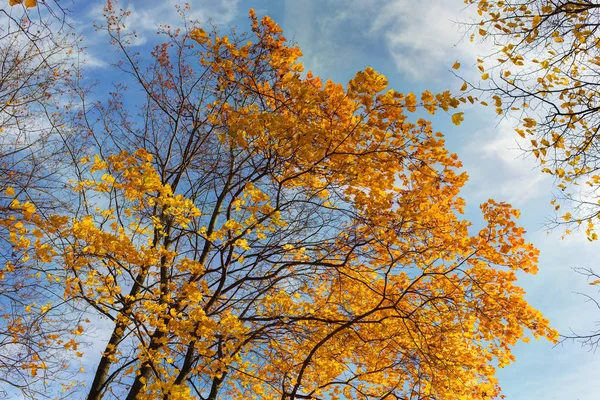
<point>544,73</point>
<point>34,77</point>
<point>249,230</point>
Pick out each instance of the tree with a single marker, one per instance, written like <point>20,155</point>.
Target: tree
<point>34,69</point>
<point>250,231</point>
<point>546,76</point>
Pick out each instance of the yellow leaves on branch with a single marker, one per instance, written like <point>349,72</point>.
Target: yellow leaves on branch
<point>411,102</point>
<point>311,210</point>
<point>552,47</point>
<point>28,3</point>
<point>199,35</point>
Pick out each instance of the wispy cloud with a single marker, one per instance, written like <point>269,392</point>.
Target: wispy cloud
<point>421,36</point>
<point>500,169</point>
<point>424,38</point>
<point>145,18</point>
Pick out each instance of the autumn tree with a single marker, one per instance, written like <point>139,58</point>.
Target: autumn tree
<point>252,231</point>
<point>544,74</point>
<point>34,69</point>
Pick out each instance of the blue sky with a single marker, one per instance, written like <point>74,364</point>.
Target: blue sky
<point>415,43</point>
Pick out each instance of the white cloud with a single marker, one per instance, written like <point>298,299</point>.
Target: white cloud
<point>500,169</point>
<point>147,16</point>
<point>425,37</point>
<point>422,38</point>
<point>417,36</point>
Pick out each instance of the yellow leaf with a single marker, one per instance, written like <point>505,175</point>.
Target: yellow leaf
<point>30,3</point>
<point>9,191</point>
<point>456,65</point>
<point>28,207</point>
<point>482,32</point>
<point>411,102</point>
<point>464,86</point>
<point>485,76</point>
<point>199,35</point>
<point>457,118</point>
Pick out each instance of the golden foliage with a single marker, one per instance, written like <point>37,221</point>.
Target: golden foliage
<point>296,239</point>
<point>551,50</point>
<point>28,3</point>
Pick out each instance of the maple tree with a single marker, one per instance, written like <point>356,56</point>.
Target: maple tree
<point>251,231</point>
<point>544,73</point>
